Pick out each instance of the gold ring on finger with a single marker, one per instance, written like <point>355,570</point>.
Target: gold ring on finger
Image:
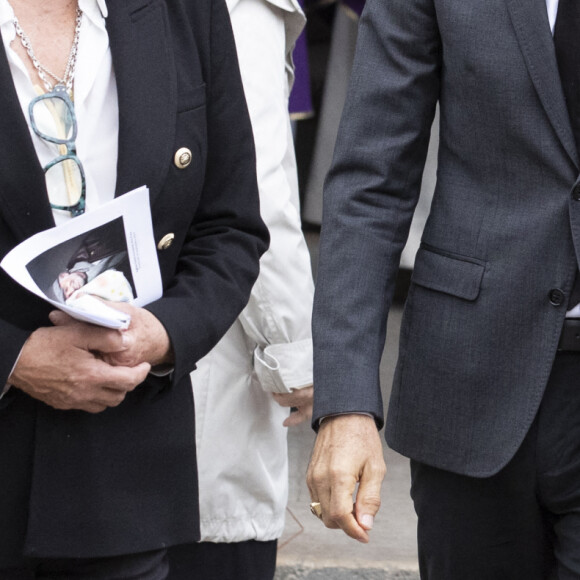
<point>316,509</point>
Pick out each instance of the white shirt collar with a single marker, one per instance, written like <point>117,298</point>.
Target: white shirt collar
<point>103,8</point>
<point>96,10</point>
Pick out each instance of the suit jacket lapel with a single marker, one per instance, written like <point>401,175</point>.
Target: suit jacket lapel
<point>530,21</point>
<point>23,198</point>
<point>147,89</point>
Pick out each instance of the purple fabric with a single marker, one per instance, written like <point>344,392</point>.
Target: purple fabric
<point>300,98</point>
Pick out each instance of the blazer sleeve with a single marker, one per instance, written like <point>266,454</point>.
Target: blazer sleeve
<point>278,316</point>
<point>369,199</point>
<point>11,351</point>
<point>20,312</point>
<point>219,259</point>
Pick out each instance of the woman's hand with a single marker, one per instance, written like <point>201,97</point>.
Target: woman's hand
<point>301,400</point>
<point>146,339</point>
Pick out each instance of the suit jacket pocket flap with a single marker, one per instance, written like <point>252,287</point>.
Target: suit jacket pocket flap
<point>456,275</point>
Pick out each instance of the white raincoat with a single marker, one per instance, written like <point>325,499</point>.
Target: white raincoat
<point>242,451</point>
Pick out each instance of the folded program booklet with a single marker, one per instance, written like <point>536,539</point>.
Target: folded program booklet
<point>88,264</point>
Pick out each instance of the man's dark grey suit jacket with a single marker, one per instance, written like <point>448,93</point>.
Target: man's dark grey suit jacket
<point>492,278</point>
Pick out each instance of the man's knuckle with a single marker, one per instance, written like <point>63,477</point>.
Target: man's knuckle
<point>377,469</point>
<point>330,524</point>
<point>337,516</point>
<point>316,478</point>
<point>334,515</point>
<point>373,501</point>
<point>340,474</point>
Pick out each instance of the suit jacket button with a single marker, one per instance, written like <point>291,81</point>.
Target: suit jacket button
<point>556,297</point>
<point>182,158</point>
<point>165,241</point>
<point>576,192</point>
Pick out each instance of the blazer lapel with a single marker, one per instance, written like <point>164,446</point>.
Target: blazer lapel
<point>147,89</point>
<point>530,21</point>
<point>23,197</point>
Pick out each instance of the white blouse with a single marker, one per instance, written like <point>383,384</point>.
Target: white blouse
<point>95,101</point>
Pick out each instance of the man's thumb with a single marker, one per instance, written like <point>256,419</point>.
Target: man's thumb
<point>368,500</point>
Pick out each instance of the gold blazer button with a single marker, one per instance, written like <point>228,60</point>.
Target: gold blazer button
<point>165,241</point>
<point>182,158</point>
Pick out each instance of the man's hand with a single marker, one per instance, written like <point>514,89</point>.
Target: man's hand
<point>60,367</point>
<point>301,400</point>
<point>347,450</point>
<point>145,340</point>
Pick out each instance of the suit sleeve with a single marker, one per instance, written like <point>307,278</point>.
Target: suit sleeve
<point>277,318</point>
<point>219,260</point>
<point>369,199</point>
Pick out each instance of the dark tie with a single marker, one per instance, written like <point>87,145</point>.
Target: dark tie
<point>567,44</point>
